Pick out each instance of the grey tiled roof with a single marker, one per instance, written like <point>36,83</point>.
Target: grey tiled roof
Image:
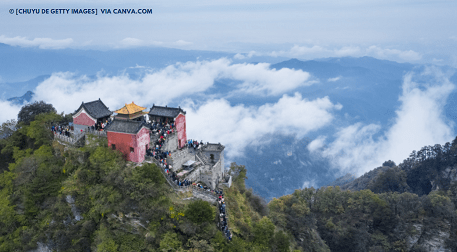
<point>97,109</point>
<point>125,126</point>
<point>165,111</point>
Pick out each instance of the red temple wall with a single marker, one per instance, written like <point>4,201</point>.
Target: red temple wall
<point>181,128</point>
<point>84,119</point>
<point>142,142</point>
<point>124,141</point>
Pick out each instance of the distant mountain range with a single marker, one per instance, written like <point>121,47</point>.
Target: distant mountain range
<point>27,97</point>
<point>368,89</point>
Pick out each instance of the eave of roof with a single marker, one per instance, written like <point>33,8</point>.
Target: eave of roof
<point>96,109</point>
<point>130,109</point>
<point>125,126</point>
<point>165,111</point>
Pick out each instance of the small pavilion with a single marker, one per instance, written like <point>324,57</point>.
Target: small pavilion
<point>130,112</point>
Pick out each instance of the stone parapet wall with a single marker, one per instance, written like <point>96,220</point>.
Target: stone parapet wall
<point>180,157</point>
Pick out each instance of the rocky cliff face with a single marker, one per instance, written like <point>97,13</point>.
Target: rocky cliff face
<point>427,237</point>
<point>445,179</point>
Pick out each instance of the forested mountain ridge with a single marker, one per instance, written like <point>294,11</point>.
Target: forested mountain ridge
<point>409,207</point>
<point>59,198</point>
<point>431,168</point>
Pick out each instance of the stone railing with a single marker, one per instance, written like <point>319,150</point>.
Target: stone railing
<point>72,139</point>
<point>75,137</point>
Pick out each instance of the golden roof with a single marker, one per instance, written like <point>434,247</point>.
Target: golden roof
<point>130,109</point>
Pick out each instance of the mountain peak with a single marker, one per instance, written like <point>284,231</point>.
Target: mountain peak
<point>27,97</point>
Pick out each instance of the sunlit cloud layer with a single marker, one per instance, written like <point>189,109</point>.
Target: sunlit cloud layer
<point>64,90</point>
<point>239,126</point>
<point>235,125</point>
<point>419,122</point>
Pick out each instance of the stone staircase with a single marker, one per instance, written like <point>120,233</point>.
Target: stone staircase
<point>196,192</point>
<point>202,158</point>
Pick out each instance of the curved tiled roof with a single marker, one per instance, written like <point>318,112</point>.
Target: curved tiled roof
<point>97,109</point>
<point>125,126</point>
<point>130,109</point>
<point>165,111</point>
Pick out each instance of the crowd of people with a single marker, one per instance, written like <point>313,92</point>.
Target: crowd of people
<point>101,125</point>
<point>61,130</point>
<point>155,151</point>
<point>177,180</point>
<point>194,144</point>
<point>222,224</point>
<point>162,130</point>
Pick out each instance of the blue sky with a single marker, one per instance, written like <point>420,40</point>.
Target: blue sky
<point>404,30</point>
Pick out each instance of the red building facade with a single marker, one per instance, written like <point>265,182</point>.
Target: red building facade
<point>131,138</point>
<point>90,114</point>
<point>181,128</point>
<point>82,118</point>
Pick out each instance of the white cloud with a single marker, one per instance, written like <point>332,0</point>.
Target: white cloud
<point>9,111</point>
<point>303,50</point>
<point>42,43</point>
<point>316,144</point>
<point>383,53</point>
<point>241,56</point>
<point>309,184</point>
<point>182,43</point>
<point>239,126</point>
<point>334,79</point>
<point>66,91</point>
<point>134,42</point>
<point>260,79</point>
<point>316,51</point>
<point>419,122</point>
<point>128,42</point>
<point>348,51</point>
<point>138,67</point>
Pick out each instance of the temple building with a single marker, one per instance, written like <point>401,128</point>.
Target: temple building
<point>90,114</point>
<point>171,115</point>
<point>130,112</point>
<point>129,137</point>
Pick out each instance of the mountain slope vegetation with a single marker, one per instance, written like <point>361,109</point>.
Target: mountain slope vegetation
<point>89,199</point>
<point>61,198</point>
